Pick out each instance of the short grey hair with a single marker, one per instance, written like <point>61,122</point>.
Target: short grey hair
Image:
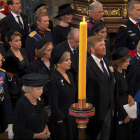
<point>26,89</point>
<point>95,5</point>
<point>130,5</point>
<point>72,33</point>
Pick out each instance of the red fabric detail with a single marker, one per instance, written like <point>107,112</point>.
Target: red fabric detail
<point>35,57</point>
<point>137,24</point>
<point>132,52</point>
<point>6,10</point>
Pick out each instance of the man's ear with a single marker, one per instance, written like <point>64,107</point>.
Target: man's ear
<point>10,6</point>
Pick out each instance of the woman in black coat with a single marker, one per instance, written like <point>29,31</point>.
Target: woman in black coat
<point>29,118</point>
<point>43,64</point>
<point>14,40</point>
<point>61,30</point>
<point>62,93</point>
<point>120,62</point>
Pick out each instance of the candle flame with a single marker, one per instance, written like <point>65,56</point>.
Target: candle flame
<point>84,19</point>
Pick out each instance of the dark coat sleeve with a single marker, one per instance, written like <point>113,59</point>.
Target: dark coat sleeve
<point>54,90</point>
<point>30,47</point>
<point>7,105</point>
<point>131,76</point>
<point>122,114</point>
<point>20,121</point>
<point>56,36</point>
<point>121,37</point>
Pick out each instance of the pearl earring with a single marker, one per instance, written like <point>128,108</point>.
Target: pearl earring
<point>59,65</point>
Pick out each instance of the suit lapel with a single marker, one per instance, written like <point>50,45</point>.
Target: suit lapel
<point>73,64</point>
<point>99,72</point>
<point>14,22</point>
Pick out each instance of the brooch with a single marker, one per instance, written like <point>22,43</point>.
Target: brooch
<point>62,81</point>
<point>111,69</point>
<point>132,34</point>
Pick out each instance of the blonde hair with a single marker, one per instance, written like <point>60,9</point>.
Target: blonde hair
<point>40,53</point>
<point>64,57</point>
<point>42,8</point>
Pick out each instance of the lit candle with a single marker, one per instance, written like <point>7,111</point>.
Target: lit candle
<point>82,60</point>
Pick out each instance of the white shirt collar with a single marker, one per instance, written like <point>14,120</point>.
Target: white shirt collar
<point>97,60</point>
<point>70,47</point>
<point>15,15</point>
<point>133,20</point>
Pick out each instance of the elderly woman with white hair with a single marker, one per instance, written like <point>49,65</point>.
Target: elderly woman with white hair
<point>29,118</point>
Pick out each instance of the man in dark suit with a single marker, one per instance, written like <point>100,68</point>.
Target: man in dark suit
<point>133,78</point>
<point>15,21</point>
<point>128,34</point>
<point>100,89</point>
<point>71,45</point>
<point>96,9</point>
<point>41,31</point>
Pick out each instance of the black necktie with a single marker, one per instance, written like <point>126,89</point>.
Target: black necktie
<point>19,22</point>
<point>105,72</point>
<point>75,52</point>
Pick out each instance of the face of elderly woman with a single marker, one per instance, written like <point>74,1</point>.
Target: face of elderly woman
<point>66,63</point>
<point>67,18</point>
<point>16,42</point>
<point>102,33</point>
<point>125,64</point>
<point>36,92</point>
<point>48,51</point>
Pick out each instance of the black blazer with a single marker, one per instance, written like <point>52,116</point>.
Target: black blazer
<point>74,60</point>
<point>9,23</point>
<point>100,93</point>
<point>128,36</point>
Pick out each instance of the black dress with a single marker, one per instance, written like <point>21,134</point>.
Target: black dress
<point>60,33</point>
<point>28,119</point>
<point>22,70</point>
<point>62,95</point>
<point>38,66</point>
<point>123,131</point>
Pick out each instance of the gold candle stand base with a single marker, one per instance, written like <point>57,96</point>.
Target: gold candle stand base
<point>82,111</point>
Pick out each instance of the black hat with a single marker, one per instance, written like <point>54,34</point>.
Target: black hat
<point>35,79</point>
<point>119,53</point>
<point>56,54</point>
<point>9,34</point>
<point>97,25</point>
<point>40,5</point>
<point>11,64</point>
<point>64,9</point>
<point>41,43</point>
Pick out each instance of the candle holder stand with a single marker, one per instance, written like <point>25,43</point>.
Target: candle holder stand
<point>82,111</point>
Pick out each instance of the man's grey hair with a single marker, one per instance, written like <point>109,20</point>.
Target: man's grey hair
<point>95,5</point>
<point>72,33</point>
<point>130,5</point>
